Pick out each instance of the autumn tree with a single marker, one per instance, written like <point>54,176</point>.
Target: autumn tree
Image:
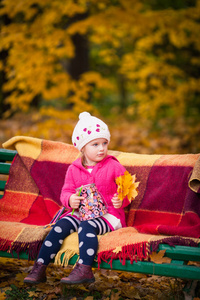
<point>139,56</point>
<point>41,51</point>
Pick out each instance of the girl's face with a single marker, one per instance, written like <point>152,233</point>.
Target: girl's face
<point>95,151</point>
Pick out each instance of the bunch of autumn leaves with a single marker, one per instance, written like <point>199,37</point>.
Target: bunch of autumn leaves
<point>127,186</point>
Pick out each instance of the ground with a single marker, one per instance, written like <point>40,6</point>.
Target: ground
<point>109,285</point>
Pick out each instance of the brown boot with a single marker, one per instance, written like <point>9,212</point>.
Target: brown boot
<point>80,274</point>
<point>37,274</point>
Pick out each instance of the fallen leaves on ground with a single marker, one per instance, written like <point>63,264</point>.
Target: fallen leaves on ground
<point>109,285</point>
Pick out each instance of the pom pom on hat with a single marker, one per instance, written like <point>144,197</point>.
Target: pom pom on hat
<point>87,129</point>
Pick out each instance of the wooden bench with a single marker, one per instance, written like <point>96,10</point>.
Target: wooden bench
<point>180,255</point>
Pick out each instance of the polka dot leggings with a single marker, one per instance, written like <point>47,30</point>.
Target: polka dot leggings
<point>87,232</point>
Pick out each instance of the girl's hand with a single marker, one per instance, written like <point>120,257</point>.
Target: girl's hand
<point>117,203</point>
<point>74,200</point>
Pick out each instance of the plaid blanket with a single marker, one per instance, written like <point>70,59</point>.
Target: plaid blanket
<point>167,203</point>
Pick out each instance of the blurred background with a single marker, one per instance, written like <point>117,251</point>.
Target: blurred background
<point>133,63</point>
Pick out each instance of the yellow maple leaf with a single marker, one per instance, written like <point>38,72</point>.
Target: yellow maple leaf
<point>117,249</point>
<point>32,294</point>
<point>127,182</point>
<point>127,186</point>
<point>20,278</point>
<point>159,258</point>
<point>115,296</point>
<point>133,192</point>
<point>2,295</point>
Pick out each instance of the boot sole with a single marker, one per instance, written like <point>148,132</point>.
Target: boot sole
<point>34,282</point>
<point>77,282</point>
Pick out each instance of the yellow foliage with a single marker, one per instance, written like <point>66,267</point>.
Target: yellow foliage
<point>127,186</point>
<point>97,79</point>
<point>146,46</point>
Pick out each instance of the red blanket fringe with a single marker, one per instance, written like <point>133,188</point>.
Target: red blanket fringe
<point>32,249</point>
<point>5,245</point>
<point>135,253</point>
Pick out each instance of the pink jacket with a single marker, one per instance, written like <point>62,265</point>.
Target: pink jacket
<point>103,175</point>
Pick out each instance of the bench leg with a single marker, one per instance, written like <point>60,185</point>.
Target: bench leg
<point>191,289</point>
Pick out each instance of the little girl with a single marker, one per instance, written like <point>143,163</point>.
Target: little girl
<point>91,136</point>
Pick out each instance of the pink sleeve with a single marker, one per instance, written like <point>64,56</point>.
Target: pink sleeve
<point>68,188</point>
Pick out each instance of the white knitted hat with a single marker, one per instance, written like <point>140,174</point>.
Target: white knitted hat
<point>87,129</point>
